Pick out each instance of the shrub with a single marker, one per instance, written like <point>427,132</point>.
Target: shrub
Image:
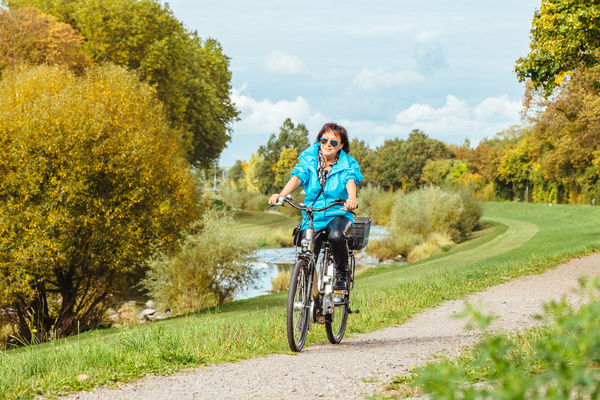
<point>281,281</point>
<point>434,209</point>
<point>435,244</point>
<point>92,182</point>
<point>241,199</point>
<point>375,203</point>
<point>209,269</point>
<point>424,250</point>
<point>427,222</point>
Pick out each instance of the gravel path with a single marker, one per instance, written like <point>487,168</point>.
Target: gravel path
<point>357,367</point>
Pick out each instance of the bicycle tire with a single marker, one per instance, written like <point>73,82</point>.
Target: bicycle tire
<point>297,318</point>
<point>337,326</point>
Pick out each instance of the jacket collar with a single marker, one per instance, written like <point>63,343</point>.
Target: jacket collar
<point>311,155</point>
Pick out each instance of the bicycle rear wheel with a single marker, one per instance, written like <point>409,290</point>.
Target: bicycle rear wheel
<point>337,326</point>
<point>297,306</point>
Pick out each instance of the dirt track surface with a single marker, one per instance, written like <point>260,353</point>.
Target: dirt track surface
<point>359,365</point>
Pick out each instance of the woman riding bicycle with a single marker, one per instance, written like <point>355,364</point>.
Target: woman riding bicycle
<point>327,173</point>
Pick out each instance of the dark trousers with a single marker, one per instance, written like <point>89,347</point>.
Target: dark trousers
<point>335,232</point>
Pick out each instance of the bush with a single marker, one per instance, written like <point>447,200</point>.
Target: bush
<point>210,268</point>
<point>375,203</point>
<point>92,182</point>
<point>426,222</point>
<point>281,281</point>
<point>435,244</point>
<point>394,246</point>
<point>241,199</point>
<point>434,209</point>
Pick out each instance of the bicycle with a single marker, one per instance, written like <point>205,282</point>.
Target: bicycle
<point>311,298</point>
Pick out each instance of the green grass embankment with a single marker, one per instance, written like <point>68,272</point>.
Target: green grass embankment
<point>267,229</point>
<point>520,239</point>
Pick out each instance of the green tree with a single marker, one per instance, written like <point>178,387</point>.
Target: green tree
<point>237,175</point>
<point>29,36</point>
<point>401,163</point>
<point>388,159</point>
<point>289,137</point>
<point>441,172</point>
<point>92,181</point>
<point>191,76</point>
<point>564,35</point>
<point>517,166</point>
<point>367,160</point>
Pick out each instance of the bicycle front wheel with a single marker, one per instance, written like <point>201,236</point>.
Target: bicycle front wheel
<point>297,306</point>
<point>335,326</point>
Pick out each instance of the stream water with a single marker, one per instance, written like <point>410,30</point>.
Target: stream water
<point>271,262</point>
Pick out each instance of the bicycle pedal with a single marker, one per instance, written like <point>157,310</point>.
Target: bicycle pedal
<point>353,311</point>
<point>342,292</point>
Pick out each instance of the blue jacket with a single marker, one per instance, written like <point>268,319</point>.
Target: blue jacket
<point>335,188</point>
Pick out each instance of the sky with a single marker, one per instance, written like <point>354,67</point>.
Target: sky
<point>379,68</point>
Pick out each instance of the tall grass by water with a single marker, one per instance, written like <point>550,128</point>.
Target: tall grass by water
<point>519,239</point>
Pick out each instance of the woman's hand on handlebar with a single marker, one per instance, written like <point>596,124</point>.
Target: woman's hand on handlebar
<point>274,198</point>
<point>351,204</point>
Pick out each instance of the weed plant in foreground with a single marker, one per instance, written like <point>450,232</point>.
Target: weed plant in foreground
<point>521,239</point>
<point>558,361</point>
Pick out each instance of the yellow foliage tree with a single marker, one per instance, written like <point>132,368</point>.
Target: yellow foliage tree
<point>92,181</point>
<point>27,35</point>
<point>287,159</point>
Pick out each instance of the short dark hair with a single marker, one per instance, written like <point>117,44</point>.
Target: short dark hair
<point>340,130</point>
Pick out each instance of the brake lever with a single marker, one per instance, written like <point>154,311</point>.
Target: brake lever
<point>345,209</point>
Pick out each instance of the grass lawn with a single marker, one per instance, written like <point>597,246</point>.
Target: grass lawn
<point>517,239</point>
<point>268,229</point>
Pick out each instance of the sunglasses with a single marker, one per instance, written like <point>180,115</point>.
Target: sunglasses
<point>333,142</point>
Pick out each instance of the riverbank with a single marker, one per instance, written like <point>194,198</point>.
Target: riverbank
<point>254,327</point>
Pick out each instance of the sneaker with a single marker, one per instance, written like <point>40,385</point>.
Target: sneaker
<point>340,281</point>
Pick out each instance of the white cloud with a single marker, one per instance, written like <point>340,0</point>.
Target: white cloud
<point>497,109</point>
<point>427,36</point>
<point>453,110</point>
<point>279,62</point>
<point>457,120</point>
<point>371,79</point>
<point>265,117</point>
<point>453,122</point>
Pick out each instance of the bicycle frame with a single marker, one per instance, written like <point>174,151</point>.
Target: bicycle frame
<point>311,293</point>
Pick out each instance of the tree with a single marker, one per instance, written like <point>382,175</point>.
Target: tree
<point>564,35</point>
<point>237,175</point>
<point>290,137</point>
<point>566,133</point>
<point>366,158</point>
<point>191,76</point>
<point>388,159</point>
<point>441,172</point>
<point>29,36</point>
<point>401,162</point>
<point>517,165</point>
<point>287,159</point>
<point>252,173</point>
<point>92,182</point>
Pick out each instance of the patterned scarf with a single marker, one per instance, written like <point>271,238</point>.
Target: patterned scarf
<point>321,171</point>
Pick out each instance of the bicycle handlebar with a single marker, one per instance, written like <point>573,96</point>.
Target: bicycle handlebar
<point>303,207</point>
